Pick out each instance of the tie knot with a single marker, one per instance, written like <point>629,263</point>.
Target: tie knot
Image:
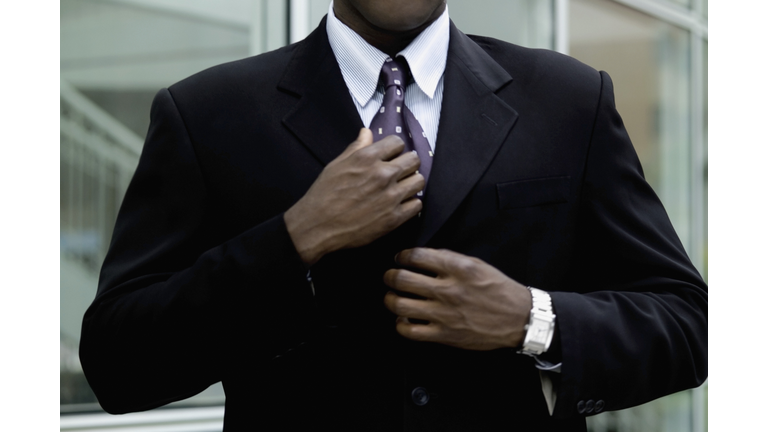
<point>395,72</point>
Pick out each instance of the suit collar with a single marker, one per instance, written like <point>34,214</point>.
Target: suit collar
<point>474,122</point>
<point>324,119</point>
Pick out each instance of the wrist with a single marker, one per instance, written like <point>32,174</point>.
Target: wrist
<point>304,237</point>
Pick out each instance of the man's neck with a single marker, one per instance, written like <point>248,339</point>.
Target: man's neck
<point>390,42</point>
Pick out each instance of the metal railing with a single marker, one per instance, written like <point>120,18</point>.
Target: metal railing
<point>98,157</point>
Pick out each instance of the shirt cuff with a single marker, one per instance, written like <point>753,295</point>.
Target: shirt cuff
<point>548,386</point>
<point>549,390</point>
<point>547,366</point>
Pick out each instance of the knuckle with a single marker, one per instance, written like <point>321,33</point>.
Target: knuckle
<point>459,296</point>
<point>409,330</point>
<point>395,140</point>
<point>391,194</point>
<point>415,160</point>
<point>464,266</point>
<point>415,333</point>
<point>389,220</point>
<point>366,154</point>
<point>412,207</point>
<point>416,255</point>
<point>399,308</point>
<point>393,170</point>
<point>393,277</point>
<point>392,221</point>
<point>390,300</point>
<point>382,175</point>
<point>419,180</point>
<point>359,157</point>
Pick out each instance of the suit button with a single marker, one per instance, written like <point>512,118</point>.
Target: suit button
<point>420,396</point>
<point>599,406</point>
<point>580,407</point>
<point>590,406</point>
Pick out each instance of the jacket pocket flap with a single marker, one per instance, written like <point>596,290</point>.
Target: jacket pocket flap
<point>532,192</point>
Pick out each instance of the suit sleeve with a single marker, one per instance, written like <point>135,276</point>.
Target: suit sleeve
<point>635,329</point>
<point>173,308</point>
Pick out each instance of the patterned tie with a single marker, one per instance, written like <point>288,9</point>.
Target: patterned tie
<point>394,118</point>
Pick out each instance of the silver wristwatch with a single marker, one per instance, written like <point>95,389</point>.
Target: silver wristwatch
<point>541,326</point>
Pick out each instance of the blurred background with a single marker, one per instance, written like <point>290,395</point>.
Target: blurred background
<point>116,54</point>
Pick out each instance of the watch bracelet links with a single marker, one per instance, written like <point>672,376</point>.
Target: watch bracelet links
<point>541,324</point>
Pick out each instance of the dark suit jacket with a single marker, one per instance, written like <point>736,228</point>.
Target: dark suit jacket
<point>533,173</point>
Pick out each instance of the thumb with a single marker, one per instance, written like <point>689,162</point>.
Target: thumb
<point>364,139</point>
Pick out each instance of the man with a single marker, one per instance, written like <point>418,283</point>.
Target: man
<point>256,246</point>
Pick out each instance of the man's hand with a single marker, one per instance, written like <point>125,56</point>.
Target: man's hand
<point>361,195</point>
<point>469,304</point>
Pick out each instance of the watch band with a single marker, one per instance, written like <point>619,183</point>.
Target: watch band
<point>541,325</point>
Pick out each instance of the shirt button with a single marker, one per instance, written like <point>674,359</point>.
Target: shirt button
<point>599,406</point>
<point>590,406</point>
<point>580,407</point>
<point>420,396</point>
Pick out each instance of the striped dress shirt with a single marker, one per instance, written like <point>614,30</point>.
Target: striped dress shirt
<point>361,63</point>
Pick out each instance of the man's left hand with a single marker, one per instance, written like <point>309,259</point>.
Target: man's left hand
<point>468,304</point>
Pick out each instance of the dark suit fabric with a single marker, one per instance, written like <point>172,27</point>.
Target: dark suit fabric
<point>533,173</point>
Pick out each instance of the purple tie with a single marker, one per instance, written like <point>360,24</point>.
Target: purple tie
<point>394,118</point>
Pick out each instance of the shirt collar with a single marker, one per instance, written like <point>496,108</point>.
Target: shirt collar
<point>361,63</point>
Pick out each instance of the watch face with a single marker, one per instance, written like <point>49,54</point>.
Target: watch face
<point>538,331</point>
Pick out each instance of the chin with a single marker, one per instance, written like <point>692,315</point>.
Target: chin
<point>408,15</point>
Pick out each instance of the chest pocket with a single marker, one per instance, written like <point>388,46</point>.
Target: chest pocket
<point>533,192</point>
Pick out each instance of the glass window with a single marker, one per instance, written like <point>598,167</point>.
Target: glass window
<point>649,61</point>
<point>523,22</point>
<point>114,57</point>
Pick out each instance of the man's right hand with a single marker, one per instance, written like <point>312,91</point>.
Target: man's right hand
<point>361,195</point>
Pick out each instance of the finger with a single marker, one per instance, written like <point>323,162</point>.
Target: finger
<point>410,308</point>
<point>408,163</point>
<point>364,139</point>
<point>414,283</point>
<point>433,260</point>
<point>409,208</point>
<point>419,332</point>
<point>386,149</point>
<point>409,186</point>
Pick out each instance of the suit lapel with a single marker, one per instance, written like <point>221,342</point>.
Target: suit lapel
<point>473,124</point>
<point>325,119</point>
